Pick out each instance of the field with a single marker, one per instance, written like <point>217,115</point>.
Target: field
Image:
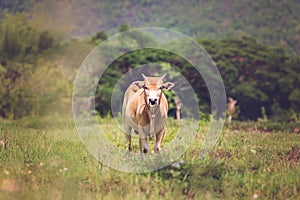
<point>43,160</point>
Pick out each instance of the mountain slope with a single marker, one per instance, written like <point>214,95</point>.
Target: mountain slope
<point>271,22</point>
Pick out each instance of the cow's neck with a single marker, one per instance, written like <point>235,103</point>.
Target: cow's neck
<point>152,114</point>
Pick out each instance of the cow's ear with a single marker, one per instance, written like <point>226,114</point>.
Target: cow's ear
<point>138,84</point>
<point>167,85</point>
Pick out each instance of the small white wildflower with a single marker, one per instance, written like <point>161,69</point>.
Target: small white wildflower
<point>255,196</point>
<point>176,165</point>
<point>2,143</point>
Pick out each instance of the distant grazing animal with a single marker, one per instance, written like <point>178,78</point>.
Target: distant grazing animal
<point>230,108</point>
<point>145,109</point>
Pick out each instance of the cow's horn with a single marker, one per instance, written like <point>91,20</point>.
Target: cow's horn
<point>163,77</point>
<point>144,76</point>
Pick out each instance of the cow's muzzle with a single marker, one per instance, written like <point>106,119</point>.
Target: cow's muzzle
<point>152,102</point>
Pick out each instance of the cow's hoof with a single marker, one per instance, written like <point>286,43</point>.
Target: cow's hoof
<point>145,151</point>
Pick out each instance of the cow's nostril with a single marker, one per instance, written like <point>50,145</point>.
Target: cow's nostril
<point>152,101</point>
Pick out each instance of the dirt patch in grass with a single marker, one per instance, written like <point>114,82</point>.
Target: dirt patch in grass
<point>293,156</point>
<point>9,185</point>
<point>220,154</point>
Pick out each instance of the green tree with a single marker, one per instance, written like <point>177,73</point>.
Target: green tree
<point>11,47</point>
<point>256,75</point>
<point>99,37</point>
<point>123,27</point>
<point>45,41</point>
<point>21,61</point>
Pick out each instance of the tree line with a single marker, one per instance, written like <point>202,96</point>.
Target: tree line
<point>263,79</point>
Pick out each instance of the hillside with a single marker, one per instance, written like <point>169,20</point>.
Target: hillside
<point>271,22</point>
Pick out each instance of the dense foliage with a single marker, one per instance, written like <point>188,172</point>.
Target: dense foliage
<point>263,79</point>
<point>258,76</point>
<point>30,82</point>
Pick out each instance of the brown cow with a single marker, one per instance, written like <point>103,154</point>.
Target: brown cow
<point>145,109</point>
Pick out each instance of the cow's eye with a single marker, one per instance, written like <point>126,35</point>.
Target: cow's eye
<point>160,88</point>
<point>146,88</point>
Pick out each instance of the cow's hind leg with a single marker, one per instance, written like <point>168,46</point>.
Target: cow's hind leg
<point>127,137</point>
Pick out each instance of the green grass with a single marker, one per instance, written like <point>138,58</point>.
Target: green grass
<point>53,163</point>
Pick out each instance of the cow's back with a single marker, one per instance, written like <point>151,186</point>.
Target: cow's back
<point>130,96</point>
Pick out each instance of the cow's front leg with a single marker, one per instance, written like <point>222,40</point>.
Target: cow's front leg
<point>144,147</point>
<point>159,138</point>
<point>156,150</point>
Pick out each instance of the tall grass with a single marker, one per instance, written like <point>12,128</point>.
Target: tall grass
<point>52,163</point>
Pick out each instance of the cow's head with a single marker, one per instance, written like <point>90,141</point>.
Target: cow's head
<point>153,87</point>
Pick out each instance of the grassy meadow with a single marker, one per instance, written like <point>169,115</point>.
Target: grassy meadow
<point>251,160</point>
